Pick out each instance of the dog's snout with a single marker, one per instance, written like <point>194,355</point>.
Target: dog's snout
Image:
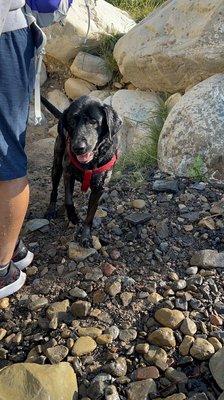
<point>80,147</point>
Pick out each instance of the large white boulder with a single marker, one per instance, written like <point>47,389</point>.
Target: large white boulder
<point>176,46</point>
<point>137,110</point>
<point>64,42</point>
<point>194,131</point>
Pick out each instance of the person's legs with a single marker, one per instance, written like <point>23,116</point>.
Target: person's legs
<point>14,197</point>
<point>17,73</point>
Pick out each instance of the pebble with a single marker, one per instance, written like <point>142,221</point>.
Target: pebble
<point>117,368</point>
<point>162,337</point>
<point>114,289</point>
<point>186,344</point>
<point>56,354</point>
<point>80,308</point>
<point>154,298</point>
<point>4,303</point>
<point>111,393</point>
<point>113,331</point>
<point>146,373</point>
<point>3,333</point>
<point>126,298</point>
<point>108,269</point>
<point>53,324</point>
<point>170,186</point>
<point>216,320</point>
<point>175,376</point>
<point>78,253</point>
<point>215,343</point>
<point>141,389</point>
<point>202,349</point>
<point>179,285</point>
<point>95,275</point>
<point>142,348</point>
<point>192,270</point>
<point>104,339</point>
<point>35,224</point>
<point>78,293</point>
<point>169,318</point>
<point>31,271</point>
<point>188,327</point>
<point>58,309</point>
<point>89,331</point>
<point>138,203</point>
<point>83,345</point>
<point>96,243</point>
<point>115,255</point>
<point>128,335</point>
<point>37,304</point>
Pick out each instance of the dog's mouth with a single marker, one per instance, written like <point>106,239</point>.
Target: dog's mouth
<point>85,158</point>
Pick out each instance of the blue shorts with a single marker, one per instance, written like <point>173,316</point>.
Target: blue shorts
<point>17,73</point>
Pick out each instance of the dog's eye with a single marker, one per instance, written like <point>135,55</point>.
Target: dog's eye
<point>92,121</point>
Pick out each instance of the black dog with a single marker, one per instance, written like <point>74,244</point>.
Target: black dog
<point>85,150</point>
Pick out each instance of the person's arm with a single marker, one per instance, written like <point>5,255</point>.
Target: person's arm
<point>4,10</point>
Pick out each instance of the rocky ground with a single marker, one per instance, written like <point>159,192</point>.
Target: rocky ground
<point>140,315</point>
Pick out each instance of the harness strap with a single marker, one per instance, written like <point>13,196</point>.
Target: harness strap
<point>88,174</point>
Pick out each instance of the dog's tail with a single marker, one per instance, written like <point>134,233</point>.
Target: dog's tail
<point>53,110</point>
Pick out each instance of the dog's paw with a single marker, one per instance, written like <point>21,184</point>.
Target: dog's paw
<point>51,213</point>
<point>72,215</point>
<point>86,238</point>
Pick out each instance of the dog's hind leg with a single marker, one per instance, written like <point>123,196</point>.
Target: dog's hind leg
<point>56,174</point>
<point>92,207</point>
<point>69,182</point>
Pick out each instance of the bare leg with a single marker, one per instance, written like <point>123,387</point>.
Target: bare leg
<point>14,199</point>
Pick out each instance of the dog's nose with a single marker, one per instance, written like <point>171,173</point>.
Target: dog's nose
<point>80,147</point>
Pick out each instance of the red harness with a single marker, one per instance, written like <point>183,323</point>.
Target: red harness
<point>88,173</point>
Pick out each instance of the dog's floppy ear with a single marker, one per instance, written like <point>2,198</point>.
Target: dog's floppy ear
<point>113,120</point>
<point>62,123</point>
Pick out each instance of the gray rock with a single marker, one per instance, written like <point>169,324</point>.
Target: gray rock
<point>56,354</point>
<point>141,390</point>
<point>165,186</point>
<point>37,304</point>
<point>111,393</point>
<point>80,308</point>
<point>208,259</point>
<point>128,335</point>
<point>138,218</point>
<point>113,331</point>
<point>78,293</point>
<point>35,224</point>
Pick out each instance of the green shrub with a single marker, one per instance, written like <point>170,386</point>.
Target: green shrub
<point>138,9</point>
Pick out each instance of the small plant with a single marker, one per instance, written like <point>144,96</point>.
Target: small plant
<point>104,49</point>
<point>138,9</point>
<point>196,171</point>
<point>145,155</point>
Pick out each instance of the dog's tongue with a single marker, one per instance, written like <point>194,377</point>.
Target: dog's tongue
<point>85,158</point>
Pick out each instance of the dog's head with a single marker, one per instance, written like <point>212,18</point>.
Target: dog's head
<point>88,123</point>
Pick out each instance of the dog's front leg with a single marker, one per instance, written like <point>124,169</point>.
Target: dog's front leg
<point>95,196</point>
<point>69,182</point>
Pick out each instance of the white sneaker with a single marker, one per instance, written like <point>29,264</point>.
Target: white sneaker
<point>12,281</point>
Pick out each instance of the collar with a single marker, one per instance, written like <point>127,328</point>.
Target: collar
<point>88,173</point>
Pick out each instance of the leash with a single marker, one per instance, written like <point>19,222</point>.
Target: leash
<point>88,173</point>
